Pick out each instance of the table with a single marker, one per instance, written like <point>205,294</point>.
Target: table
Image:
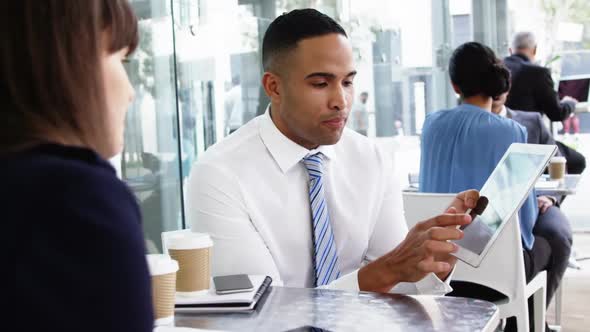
<point>300,309</point>
<point>568,187</point>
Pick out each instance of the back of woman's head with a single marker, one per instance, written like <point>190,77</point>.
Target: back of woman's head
<point>50,67</point>
<point>475,70</point>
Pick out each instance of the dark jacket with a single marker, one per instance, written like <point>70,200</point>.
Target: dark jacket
<point>537,132</point>
<point>532,89</point>
<point>73,235</point>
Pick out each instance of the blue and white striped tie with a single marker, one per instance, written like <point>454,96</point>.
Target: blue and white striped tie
<point>325,255</point>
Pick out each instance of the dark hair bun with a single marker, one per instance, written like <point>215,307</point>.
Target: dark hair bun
<point>475,70</point>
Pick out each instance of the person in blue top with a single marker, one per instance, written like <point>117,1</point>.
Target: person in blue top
<point>72,232</point>
<point>461,147</point>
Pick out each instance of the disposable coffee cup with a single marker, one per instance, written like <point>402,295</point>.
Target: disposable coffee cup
<point>193,253</point>
<point>163,270</point>
<point>557,168</point>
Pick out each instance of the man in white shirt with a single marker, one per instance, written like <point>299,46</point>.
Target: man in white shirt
<point>294,195</point>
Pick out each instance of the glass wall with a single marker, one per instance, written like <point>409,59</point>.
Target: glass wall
<point>150,162</point>
<point>197,76</point>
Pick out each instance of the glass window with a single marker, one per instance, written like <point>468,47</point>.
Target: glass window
<point>150,163</point>
<point>197,75</point>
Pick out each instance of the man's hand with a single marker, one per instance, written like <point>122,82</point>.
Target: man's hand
<point>463,201</point>
<point>426,249</point>
<point>544,203</point>
<point>569,99</point>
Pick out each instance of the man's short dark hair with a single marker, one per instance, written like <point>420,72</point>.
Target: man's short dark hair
<point>287,30</point>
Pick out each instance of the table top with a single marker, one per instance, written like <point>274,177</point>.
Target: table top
<point>568,187</point>
<point>301,309</point>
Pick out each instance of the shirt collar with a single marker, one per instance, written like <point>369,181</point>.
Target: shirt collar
<point>522,56</point>
<point>503,113</point>
<point>284,151</point>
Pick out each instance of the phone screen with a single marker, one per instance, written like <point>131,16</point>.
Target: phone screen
<point>232,284</point>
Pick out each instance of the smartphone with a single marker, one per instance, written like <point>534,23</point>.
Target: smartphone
<point>480,206</point>
<point>235,283</point>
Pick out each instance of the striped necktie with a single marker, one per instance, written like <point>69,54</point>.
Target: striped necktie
<point>325,256</point>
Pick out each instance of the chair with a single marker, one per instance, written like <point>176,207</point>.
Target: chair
<point>502,269</point>
<point>170,234</point>
<point>558,303</point>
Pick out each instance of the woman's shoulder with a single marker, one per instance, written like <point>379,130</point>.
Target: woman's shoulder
<point>52,177</point>
<point>61,165</point>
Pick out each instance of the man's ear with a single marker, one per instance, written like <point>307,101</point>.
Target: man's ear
<point>535,51</point>
<point>510,51</point>
<point>456,88</point>
<point>272,86</point>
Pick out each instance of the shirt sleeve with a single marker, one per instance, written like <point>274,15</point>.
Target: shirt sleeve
<point>389,231</point>
<point>215,205</point>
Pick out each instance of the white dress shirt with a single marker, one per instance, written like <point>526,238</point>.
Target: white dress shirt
<point>250,193</point>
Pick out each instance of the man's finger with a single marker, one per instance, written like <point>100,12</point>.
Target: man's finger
<point>444,233</point>
<point>451,210</point>
<point>440,247</point>
<point>449,219</point>
<point>469,198</point>
<point>430,266</point>
<point>444,220</point>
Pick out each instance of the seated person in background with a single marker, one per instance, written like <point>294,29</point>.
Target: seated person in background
<point>461,147</point>
<point>295,195</point>
<point>72,229</point>
<point>532,85</point>
<point>538,133</point>
<point>360,114</point>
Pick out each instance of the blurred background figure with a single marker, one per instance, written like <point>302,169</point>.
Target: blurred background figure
<point>399,128</point>
<point>234,107</point>
<point>571,122</point>
<point>360,115</point>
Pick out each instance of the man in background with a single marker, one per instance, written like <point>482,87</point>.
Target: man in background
<point>234,107</point>
<point>360,115</point>
<point>532,86</point>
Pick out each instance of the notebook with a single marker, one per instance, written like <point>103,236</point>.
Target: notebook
<point>236,302</point>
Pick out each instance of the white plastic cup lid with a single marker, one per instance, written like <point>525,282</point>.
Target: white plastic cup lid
<point>188,241</point>
<point>558,159</point>
<point>160,264</point>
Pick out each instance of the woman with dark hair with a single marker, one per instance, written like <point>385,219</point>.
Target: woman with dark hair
<point>72,228</point>
<point>461,147</point>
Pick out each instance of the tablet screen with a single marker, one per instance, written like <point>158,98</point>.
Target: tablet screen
<point>505,189</point>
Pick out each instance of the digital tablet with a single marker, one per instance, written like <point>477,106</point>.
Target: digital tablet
<point>506,190</point>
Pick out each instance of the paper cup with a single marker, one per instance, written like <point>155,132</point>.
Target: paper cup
<point>557,168</point>
<point>163,270</point>
<point>193,253</point>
